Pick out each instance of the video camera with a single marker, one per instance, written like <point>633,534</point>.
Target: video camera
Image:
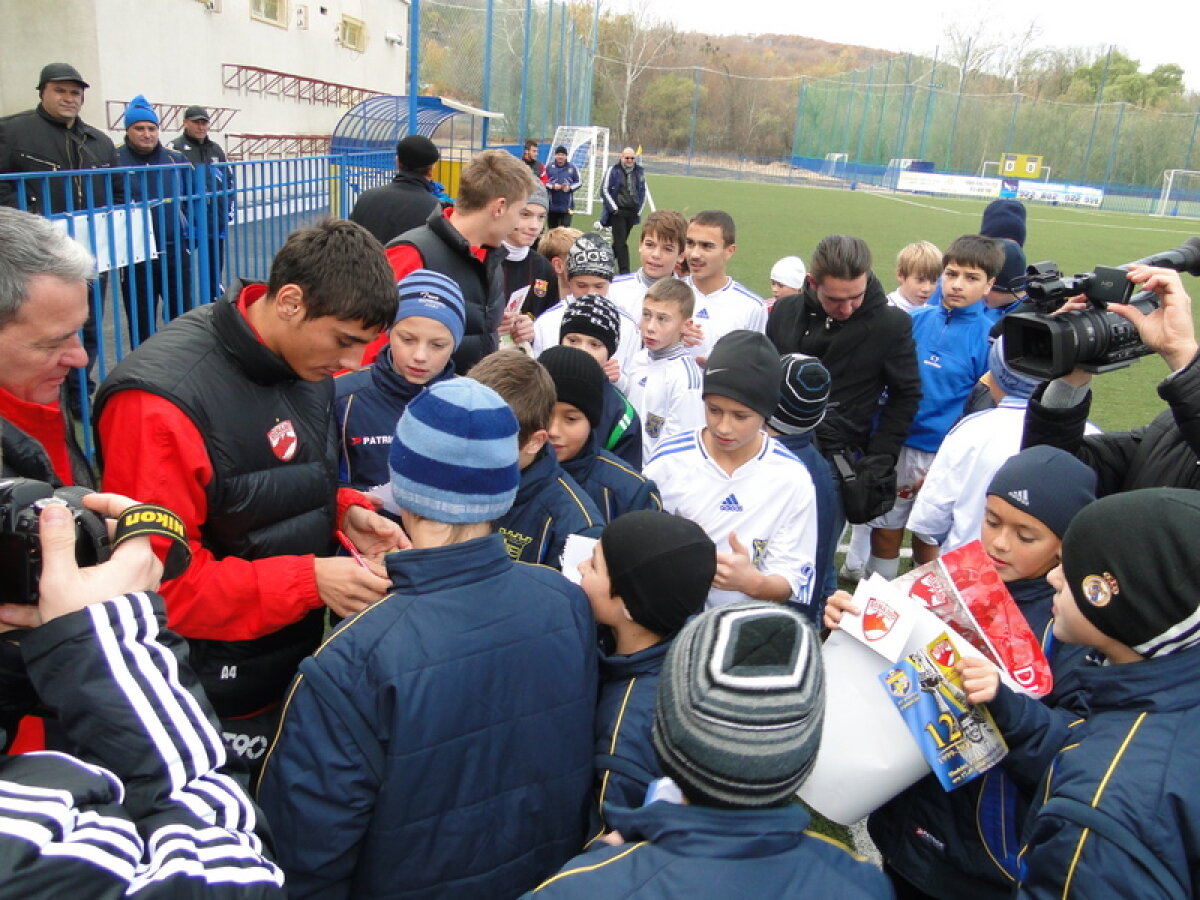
<point>21,502</point>
<point>1096,339</point>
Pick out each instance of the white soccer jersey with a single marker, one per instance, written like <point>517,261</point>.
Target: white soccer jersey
<point>627,293</point>
<point>547,326</point>
<point>729,308</point>
<point>666,392</point>
<point>769,502</point>
<point>949,507</point>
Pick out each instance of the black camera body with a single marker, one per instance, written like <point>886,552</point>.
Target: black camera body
<point>1095,339</point>
<point>21,501</point>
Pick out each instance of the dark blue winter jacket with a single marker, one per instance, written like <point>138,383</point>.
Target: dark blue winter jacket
<point>368,404</point>
<point>829,516</point>
<point>163,192</point>
<point>440,743</point>
<point>1134,759</point>
<point>610,482</point>
<point>620,428</point>
<point>964,843</point>
<point>549,506</point>
<point>696,852</point>
<point>560,201</point>
<point>625,760</point>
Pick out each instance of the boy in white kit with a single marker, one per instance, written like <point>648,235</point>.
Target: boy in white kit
<point>749,493</point>
<point>664,380</point>
<point>660,250</point>
<point>722,304</point>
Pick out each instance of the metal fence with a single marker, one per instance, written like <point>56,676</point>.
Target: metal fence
<point>168,238</point>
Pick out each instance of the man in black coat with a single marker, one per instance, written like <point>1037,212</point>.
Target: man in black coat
<point>406,202</point>
<point>217,182</point>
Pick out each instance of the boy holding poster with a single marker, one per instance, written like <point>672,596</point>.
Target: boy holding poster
<point>964,843</point>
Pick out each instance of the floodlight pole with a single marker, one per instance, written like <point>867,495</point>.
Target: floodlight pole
<point>414,62</point>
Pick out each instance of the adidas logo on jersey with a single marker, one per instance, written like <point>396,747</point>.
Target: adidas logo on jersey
<point>703,314</point>
<point>730,504</point>
<point>1021,496</point>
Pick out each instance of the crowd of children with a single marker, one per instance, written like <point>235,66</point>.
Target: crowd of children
<point>489,729</point>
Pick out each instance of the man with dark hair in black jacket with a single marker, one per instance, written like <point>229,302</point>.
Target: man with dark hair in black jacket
<point>842,317</point>
<point>406,201</point>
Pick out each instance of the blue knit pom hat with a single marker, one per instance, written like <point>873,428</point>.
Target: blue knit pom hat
<point>140,110</point>
<point>454,458</point>
<point>432,295</point>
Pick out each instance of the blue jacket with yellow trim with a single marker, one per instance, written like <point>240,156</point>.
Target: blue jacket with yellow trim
<point>611,483</point>
<point>965,842</point>
<point>695,851</point>
<point>1134,759</point>
<point>625,760</point>
<point>440,743</point>
<point>549,506</point>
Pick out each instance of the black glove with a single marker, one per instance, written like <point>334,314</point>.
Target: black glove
<point>868,486</point>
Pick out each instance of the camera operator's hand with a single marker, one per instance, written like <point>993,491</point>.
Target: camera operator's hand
<point>1167,330</point>
<point>66,588</point>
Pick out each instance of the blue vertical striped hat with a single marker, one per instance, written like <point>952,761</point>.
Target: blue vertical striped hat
<point>454,458</point>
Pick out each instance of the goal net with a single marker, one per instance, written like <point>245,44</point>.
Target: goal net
<point>587,148</point>
<point>1180,194</point>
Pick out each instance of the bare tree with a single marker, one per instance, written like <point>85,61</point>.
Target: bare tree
<point>629,44</point>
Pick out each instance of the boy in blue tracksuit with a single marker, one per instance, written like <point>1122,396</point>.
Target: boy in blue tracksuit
<point>579,385</point>
<point>951,340</point>
<point>1118,813</point>
<point>562,181</point>
<point>550,504</point>
<point>737,723</point>
<point>964,843</point>
<point>804,386</point>
<point>428,327</point>
<point>649,573</point>
<point>440,743</point>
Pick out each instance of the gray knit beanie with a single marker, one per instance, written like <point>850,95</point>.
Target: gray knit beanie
<point>741,700</point>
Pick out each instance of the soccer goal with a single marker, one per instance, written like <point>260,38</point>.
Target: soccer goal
<point>587,148</point>
<point>1180,194</point>
<point>835,165</point>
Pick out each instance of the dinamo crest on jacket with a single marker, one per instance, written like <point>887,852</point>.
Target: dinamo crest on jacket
<point>283,440</point>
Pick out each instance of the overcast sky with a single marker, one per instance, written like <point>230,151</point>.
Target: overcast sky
<point>1151,31</point>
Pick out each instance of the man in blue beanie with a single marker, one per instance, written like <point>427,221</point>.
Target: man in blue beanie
<point>155,195</point>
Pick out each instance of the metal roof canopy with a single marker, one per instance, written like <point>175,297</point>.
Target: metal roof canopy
<point>378,123</point>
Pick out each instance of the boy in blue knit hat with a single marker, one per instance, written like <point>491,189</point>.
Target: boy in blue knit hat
<point>439,744</point>
<point>427,329</point>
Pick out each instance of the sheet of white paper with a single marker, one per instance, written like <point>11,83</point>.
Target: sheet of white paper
<point>576,550</point>
<point>883,623</point>
<point>384,493</point>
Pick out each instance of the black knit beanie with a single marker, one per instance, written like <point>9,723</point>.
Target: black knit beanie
<point>594,316</point>
<point>1131,563</point>
<point>1047,483</point>
<point>1004,219</point>
<point>741,700</point>
<point>744,366</point>
<point>578,380</point>
<point>660,565</point>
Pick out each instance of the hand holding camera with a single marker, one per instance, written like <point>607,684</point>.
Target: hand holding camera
<point>1167,330</point>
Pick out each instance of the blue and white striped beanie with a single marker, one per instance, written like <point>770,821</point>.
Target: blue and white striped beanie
<point>454,458</point>
<point>432,295</point>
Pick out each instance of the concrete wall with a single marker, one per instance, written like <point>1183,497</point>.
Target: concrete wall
<point>173,50</point>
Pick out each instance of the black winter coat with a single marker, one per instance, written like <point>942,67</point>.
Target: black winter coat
<point>31,141</point>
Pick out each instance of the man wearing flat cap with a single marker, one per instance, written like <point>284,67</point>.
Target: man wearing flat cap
<point>217,180</point>
<point>406,203</point>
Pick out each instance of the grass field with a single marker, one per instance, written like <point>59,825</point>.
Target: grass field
<point>780,220</point>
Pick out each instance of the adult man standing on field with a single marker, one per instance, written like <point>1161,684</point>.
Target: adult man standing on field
<point>624,195</point>
<point>216,180</point>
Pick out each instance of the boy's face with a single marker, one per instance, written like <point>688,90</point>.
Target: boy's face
<point>592,346</point>
<point>421,348</point>
<point>560,159</point>
<point>505,216</point>
<point>1070,626</point>
<point>963,285</point>
<point>315,349</point>
<point>1019,545</point>
<point>662,324</point>
<point>779,289</point>
<point>658,256</point>
<point>582,285</point>
<point>707,253</point>
<point>569,431</point>
<point>598,587</point>
<point>529,226</point>
<point>732,426</point>
<point>916,289</point>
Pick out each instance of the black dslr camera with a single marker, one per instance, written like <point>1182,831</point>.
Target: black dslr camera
<point>1095,339</point>
<point>21,501</point>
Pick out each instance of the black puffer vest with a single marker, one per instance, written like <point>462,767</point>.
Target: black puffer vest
<point>443,249</point>
<point>273,490</point>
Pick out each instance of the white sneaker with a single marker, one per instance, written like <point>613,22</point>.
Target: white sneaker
<point>848,574</point>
